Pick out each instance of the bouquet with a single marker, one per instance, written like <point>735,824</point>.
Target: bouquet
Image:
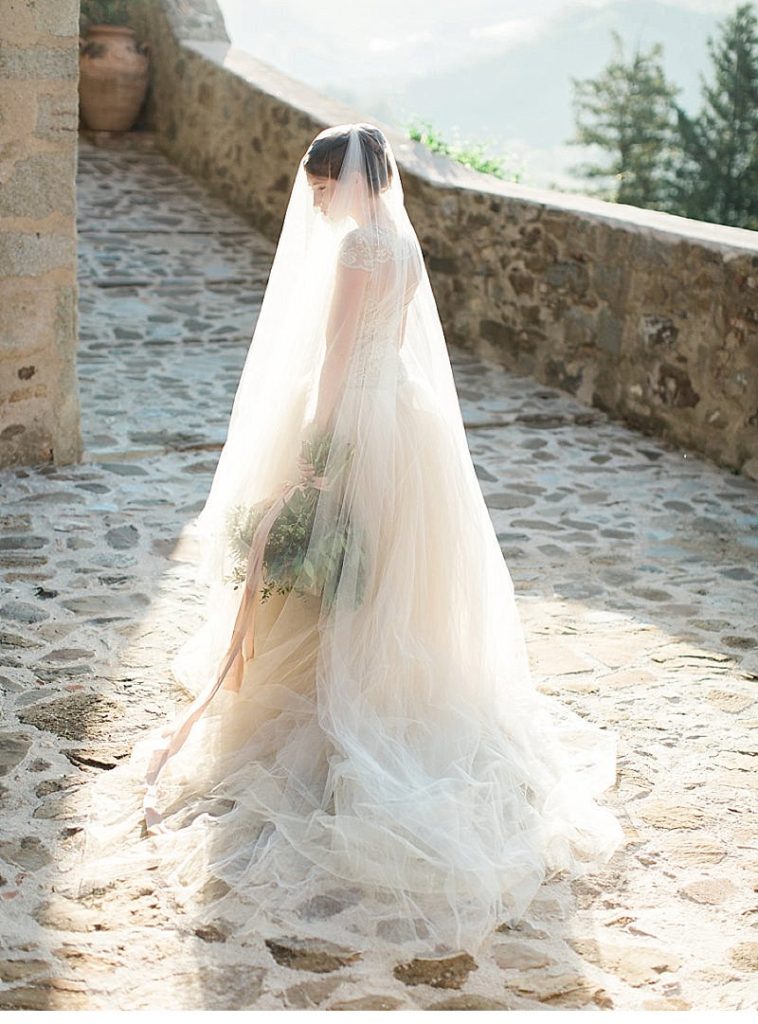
<point>290,561</point>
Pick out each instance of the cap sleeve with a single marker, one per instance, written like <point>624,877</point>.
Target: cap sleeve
<point>356,251</point>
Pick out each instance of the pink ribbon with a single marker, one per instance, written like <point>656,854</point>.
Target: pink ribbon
<point>240,650</point>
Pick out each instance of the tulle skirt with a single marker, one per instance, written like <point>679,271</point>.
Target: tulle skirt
<point>414,810</point>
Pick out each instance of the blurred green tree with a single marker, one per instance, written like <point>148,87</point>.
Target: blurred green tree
<point>715,175</point>
<point>628,110</point>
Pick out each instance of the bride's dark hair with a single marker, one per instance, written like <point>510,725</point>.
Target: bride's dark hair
<point>326,154</point>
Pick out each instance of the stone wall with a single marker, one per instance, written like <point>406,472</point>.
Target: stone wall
<point>649,316</point>
<point>39,404</point>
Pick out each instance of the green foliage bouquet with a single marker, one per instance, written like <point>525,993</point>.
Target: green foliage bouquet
<point>290,561</point>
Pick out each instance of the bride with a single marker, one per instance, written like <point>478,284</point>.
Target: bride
<point>365,759</point>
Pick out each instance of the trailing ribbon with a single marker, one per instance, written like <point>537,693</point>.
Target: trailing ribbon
<point>240,650</point>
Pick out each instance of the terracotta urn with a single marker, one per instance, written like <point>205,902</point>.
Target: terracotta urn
<point>113,76</point>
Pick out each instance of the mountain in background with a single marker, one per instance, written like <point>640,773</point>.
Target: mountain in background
<point>475,75</point>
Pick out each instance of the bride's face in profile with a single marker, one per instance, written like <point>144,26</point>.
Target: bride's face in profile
<point>323,189</point>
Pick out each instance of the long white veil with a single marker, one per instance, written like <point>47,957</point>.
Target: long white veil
<point>366,754</point>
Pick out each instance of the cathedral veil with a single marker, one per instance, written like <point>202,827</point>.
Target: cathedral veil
<point>366,757</point>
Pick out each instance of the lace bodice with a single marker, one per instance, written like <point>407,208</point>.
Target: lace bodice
<point>383,312</point>
<point>364,249</point>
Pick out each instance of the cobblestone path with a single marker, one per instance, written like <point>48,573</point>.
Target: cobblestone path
<point>635,566</point>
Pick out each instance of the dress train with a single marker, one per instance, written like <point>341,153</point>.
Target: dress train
<point>413,811</point>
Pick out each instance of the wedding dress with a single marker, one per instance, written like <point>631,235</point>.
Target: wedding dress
<point>366,759</point>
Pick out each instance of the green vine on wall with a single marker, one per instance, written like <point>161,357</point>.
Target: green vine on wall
<point>472,154</point>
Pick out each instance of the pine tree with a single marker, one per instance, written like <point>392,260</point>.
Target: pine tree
<point>715,176</point>
<point>628,110</point>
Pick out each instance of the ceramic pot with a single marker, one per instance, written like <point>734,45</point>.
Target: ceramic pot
<point>113,75</point>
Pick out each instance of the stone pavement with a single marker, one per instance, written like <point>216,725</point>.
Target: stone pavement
<point>635,566</point>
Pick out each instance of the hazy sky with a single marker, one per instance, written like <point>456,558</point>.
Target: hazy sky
<point>344,43</point>
<point>385,26</point>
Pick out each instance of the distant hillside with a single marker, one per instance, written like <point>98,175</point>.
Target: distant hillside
<point>525,94</point>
